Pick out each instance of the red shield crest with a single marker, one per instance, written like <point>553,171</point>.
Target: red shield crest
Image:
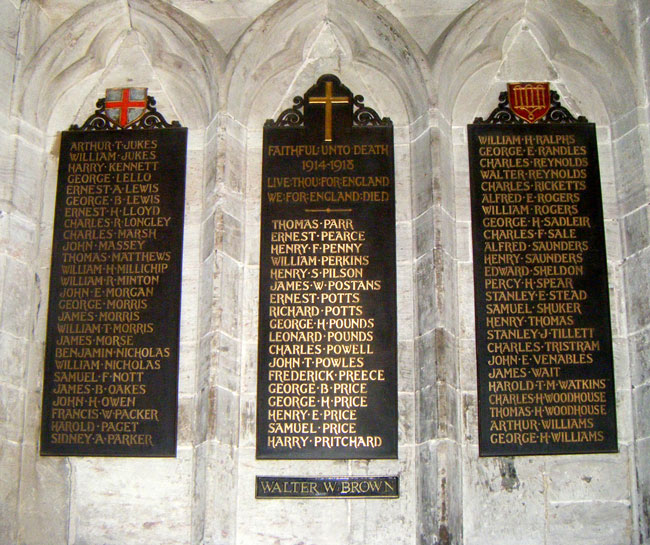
<point>126,106</point>
<point>529,100</point>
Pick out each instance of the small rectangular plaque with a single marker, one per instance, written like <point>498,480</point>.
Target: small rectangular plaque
<point>111,356</point>
<point>327,487</point>
<point>543,335</point>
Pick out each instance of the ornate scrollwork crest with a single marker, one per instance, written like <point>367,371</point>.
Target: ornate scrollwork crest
<point>127,109</point>
<point>503,113</point>
<point>362,116</point>
<point>291,117</point>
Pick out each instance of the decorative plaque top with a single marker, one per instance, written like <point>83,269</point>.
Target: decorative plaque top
<point>125,108</point>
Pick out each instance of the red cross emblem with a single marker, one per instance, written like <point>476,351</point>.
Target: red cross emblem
<point>125,106</point>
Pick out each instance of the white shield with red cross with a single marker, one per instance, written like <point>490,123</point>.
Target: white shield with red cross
<point>126,106</point>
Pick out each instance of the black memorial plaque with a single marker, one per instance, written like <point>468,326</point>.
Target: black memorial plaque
<point>111,357</point>
<point>326,487</point>
<point>327,365</point>
<point>543,336</point>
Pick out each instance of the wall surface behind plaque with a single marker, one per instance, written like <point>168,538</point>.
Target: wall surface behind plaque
<point>222,68</point>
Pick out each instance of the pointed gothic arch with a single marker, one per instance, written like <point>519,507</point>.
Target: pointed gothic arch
<point>184,55</point>
<point>375,56</point>
<point>595,78</point>
<point>577,41</point>
<point>57,85</point>
<point>276,41</point>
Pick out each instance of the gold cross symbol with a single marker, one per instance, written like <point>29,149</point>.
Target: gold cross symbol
<point>328,100</point>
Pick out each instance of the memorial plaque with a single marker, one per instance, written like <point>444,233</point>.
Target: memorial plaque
<point>111,356</point>
<point>327,366</point>
<point>543,335</point>
<point>326,487</point>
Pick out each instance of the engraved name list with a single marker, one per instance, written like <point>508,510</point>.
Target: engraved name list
<point>542,312</point>
<point>112,340</point>
<point>327,347</point>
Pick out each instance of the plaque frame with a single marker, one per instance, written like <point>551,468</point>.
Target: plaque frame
<point>163,307</point>
<point>503,122</point>
<point>335,492</point>
<point>305,124</point>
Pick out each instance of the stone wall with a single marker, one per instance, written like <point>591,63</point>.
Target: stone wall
<point>636,257</point>
<point>222,68</point>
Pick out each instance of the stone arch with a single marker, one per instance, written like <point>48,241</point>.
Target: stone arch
<point>563,42</point>
<point>278,42</point>
<point>281,55</point>
<point>184,56</point>
<point>588,68</point>
<point>476,42</point>
<point>116,43</point>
